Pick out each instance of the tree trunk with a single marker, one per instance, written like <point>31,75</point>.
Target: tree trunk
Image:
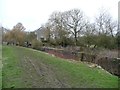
<point>75,37</point>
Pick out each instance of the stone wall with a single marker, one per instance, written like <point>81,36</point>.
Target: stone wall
<point>112,65</point>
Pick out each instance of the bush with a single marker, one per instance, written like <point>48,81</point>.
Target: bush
<point>36,44</point>
<point>106,42</point>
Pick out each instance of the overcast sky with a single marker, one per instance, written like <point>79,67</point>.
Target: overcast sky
<point>33,13</point>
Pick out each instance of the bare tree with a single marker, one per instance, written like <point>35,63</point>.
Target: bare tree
<point>19,27</point>
<point>17,34</point>
<point>75,22</point>
<point>105,24</point>
<point>90,29</point>
<point>111,26</point>
<point>58,27</point>
<point>47,31</point>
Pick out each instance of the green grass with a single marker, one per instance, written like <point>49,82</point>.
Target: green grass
<point>76,74</point>
<point>79,74</point>
<point>11,72</point>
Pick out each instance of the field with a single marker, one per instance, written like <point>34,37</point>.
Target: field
<point>28,68</point>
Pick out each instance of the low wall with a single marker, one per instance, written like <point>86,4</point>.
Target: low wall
<point>112,65</point>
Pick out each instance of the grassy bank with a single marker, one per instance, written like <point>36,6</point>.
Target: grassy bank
<point>11,72</point>
<point>70,74</point>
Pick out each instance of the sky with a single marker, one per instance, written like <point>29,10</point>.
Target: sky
<point>33,13</point>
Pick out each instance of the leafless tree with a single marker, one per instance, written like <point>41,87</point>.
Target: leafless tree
<point>48,31</point>
<point>105,24</point>
<point>75,22</point>
<point>90,29</point>
<point>17,34</point>
<point>58,27</point>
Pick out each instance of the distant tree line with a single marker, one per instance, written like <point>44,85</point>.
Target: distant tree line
<point>69,28</point>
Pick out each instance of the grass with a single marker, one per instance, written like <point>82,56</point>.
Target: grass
<point>11,72</point>
<point>79,74</point>
<point>75,74</point>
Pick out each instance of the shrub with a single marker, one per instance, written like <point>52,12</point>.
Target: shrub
<point>36,44</point>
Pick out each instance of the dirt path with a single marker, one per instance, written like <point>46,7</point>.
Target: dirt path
<point>38,75</point>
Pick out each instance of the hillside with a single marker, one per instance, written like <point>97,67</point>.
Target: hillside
<point>28,68</point>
